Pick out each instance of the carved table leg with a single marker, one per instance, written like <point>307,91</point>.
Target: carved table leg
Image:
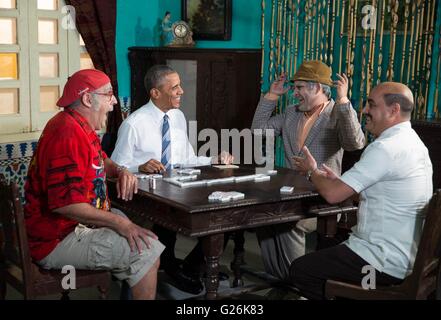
<point>326,231</point>
<point>213,247</point>
<point>239,252</point>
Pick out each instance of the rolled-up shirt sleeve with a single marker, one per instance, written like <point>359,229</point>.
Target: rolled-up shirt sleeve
<point>124,147</point>
<point>370,169</point>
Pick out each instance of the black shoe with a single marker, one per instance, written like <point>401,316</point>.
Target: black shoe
<point>184,281</point>
<point>164,264</point>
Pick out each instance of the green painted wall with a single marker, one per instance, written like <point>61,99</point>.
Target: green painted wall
<point>138,24</point>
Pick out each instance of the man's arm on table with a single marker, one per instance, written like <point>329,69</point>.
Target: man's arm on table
<point>331,187</point>
<point>328,184</point>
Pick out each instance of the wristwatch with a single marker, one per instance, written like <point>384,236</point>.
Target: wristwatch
<point>309,174</point>
<point>119,169</point>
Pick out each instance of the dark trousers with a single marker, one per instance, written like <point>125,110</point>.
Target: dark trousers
<point>194,260</point>
<point>310,272</point>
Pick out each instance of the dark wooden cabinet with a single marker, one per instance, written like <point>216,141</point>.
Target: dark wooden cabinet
<point>227,82</point>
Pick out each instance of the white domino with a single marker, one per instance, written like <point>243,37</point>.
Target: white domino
<point>245,178</point>
<point>197,183</point>
<point>220,181</point>
<point>187,178</point>
<point>189,171</point>
<point>225,199</point>
<point>271,172</point>
<point>262,178</point>
<point>286,190</point>
<point>217,195</point>
<point>236,195</point>
<point>221,196</point>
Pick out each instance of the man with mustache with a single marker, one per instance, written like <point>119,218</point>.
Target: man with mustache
<point>154,139</point>
<point>67,212</point>
<point>394,181</point>
<point>326,126</point>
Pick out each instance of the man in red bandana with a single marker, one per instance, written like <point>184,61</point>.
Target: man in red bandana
<point>67,209</point>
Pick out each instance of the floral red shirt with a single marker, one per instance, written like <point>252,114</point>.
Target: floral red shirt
<point>66,168</point>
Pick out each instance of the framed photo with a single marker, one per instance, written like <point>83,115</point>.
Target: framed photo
<point>208,19</point>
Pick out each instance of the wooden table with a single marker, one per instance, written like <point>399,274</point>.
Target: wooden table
<point>189,212</point>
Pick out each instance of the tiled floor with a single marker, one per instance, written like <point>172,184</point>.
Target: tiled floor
<point>167,291</point>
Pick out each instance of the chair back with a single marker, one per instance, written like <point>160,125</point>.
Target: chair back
<point>15,248</point>
<point>424,278</point>
<point>16,266</point>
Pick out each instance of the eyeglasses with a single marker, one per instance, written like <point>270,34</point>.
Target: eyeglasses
<point>108,94</point>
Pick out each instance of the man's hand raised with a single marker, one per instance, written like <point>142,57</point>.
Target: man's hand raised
<point>342,86</point>
<point>305,164</point>
<point>278,88</point>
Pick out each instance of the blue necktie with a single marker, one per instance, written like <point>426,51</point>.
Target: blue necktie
<point>166,147</point>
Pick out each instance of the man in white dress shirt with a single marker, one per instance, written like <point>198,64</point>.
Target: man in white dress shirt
<point>140,147</point>
<point>394,181</point>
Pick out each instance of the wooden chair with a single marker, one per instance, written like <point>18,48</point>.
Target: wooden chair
<point>16,267</point>
<point>422,283</point>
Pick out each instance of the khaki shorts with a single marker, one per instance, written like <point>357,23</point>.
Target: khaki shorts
<point>310,225</point>
<point>307,225</point>
<point>103,249</point>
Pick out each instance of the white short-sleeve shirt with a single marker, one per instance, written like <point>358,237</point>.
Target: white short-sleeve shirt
<point>394,179</point>
<point>140,139</point>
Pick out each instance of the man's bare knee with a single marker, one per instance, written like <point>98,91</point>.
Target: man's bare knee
<point>146,287</point>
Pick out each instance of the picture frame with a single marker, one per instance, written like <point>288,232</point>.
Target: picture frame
<point>208,19</point>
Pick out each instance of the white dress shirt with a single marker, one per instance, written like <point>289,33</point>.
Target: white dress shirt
<point>140,139</point>
<point>394,179</point>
